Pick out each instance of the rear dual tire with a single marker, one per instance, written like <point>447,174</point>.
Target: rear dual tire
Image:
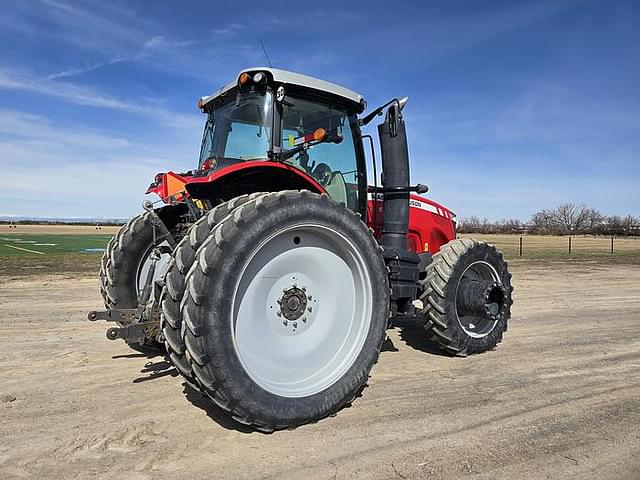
<point>173,291</point>
<point>245,293</point>
<point>454,332</point>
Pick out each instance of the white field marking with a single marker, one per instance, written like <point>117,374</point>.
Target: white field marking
<point>46,244</point>
<point>23,249</point>
<point>18,240</point>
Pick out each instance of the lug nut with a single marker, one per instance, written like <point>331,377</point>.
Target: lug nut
<point>304,319</point>
<point>310,309</point>
<point>304,289</point>
<point>295,324</point>
<point>285,323</point>
<point>279,313</point>
<point>310,297</point>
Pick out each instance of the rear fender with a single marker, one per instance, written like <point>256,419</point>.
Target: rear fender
<point>250,177</point>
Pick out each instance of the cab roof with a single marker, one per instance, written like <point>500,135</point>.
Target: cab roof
<point>286,77</point>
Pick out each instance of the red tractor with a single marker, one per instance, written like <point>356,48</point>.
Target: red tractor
<point>273,270</point>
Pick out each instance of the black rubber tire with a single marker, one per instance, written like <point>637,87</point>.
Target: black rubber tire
<point>119,266</point>
<point>120,263</point>
<point>206,309</point>
<point>439,296</point>
<point>182,258</point>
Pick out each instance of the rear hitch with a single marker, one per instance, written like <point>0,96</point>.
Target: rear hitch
<point>133,328</point>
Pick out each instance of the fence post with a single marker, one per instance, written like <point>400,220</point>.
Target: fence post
<point>612,243</point>
<point>569,244</point>
<point>520,245</point>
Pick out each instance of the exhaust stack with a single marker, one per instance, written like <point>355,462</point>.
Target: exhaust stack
<point>402,263</point>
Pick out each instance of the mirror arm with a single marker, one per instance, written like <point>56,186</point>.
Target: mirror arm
<point>378,111</point>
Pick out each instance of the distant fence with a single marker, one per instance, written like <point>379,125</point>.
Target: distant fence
<point>530,245</point>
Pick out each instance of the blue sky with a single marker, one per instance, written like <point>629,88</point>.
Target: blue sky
<point>514,106</point>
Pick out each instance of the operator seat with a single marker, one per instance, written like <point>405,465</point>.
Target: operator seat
<point>337,188</point>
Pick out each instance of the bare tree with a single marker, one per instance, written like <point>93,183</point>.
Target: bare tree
<point>541,222</point>
<point>614,225</point>
<point>594,221</point>
<point>511,225</point>
<point>570,218</point>
<point>629,225</point>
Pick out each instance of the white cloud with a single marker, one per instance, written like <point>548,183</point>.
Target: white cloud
<point>73,71</point>
<point>11,80</point>
<point>228,29</point>
<point>52,169</point>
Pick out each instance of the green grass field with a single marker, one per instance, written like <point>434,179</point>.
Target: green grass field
<point>18,244</point>
<point>46,253</point>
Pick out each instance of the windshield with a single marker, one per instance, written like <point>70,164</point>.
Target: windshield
<point>332,164</point>
<point>239,130</point>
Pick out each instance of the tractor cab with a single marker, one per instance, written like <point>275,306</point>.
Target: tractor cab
<point>275,116</point>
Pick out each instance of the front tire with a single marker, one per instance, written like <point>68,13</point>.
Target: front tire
<point>447,325</point>
<point>286,310</point>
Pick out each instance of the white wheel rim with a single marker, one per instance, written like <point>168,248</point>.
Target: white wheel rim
<point>293,348</point>
<point>145,264</point>
<point>476,326</point>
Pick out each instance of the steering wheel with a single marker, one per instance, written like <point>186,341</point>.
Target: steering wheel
<point>322,173</point>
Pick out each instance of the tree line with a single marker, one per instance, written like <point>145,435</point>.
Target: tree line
<point>565,219</point>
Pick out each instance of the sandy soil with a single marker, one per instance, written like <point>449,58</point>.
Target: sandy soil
<point>560,398</point>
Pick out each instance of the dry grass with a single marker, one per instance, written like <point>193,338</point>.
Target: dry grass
<point>588,249</point>
<point>58,230</point>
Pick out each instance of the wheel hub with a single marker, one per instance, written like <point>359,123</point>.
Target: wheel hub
<point>293,303</point>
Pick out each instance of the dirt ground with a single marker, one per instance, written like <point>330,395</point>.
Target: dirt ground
<point>560,398</point>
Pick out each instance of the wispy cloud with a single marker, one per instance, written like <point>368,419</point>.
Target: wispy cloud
<point>32,129</point>
<point>12,80</point>
<point>73,71</point>
<point>101,26</point>
<point>47,167</point>
<point>229,29</point>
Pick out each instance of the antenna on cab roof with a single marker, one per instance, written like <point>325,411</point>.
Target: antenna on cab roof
<point>266,55</point>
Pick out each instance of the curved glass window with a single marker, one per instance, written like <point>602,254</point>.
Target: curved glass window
<point>239,130</point>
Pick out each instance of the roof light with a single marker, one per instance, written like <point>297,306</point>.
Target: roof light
<point>319,134</point>
<point>258,77</point>
<point>244,78</point>
<point>200,103</point>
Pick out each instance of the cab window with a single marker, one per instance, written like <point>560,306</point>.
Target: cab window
<point>333,165</point>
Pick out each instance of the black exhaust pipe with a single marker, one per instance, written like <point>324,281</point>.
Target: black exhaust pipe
<point>402,263</point>
<point>395,179</point>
